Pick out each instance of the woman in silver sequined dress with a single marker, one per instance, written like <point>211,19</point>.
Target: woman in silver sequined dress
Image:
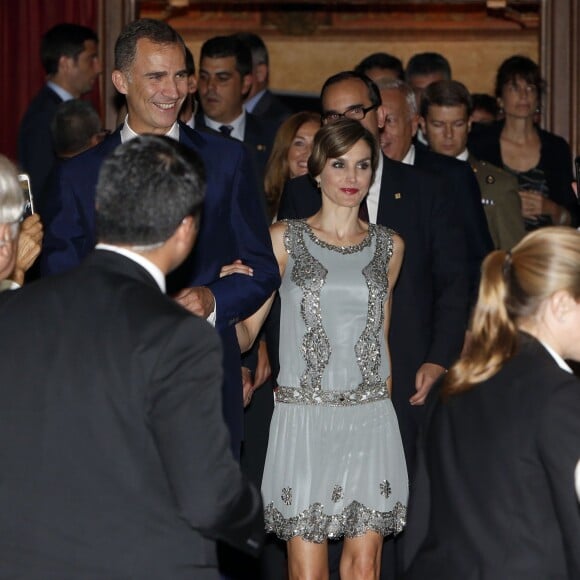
<point>335,465</point>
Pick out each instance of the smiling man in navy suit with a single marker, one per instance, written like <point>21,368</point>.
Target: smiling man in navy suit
<point>150,71</point>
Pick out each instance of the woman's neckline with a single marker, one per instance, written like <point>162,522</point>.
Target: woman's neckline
<point>343,249</point>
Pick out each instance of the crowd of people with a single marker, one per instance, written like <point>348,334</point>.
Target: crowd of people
<point>365,313</point>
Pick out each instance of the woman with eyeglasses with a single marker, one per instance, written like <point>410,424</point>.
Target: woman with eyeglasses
<point>541,161</point>
<point>493,497</point>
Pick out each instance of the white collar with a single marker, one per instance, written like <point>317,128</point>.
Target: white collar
<point>409,159</point>
<point>238,124</point>
<point>463,156</point>
<point>559,360</point>
<point>155,272</point>
<point>62,93</point>
<point>127,133</point>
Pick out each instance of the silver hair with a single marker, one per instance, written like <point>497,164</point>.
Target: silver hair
<point>399,85</point>
<point>11,195</point>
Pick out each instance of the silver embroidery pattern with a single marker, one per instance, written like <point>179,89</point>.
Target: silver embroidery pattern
<point>309,275</point>
<point>368,346</point>
<point>359,396</point>
<point>355,520</point>
<point>337,493</point>
<point>286,496</point>
<point>385,488</point>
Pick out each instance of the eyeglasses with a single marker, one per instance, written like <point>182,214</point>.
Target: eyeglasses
<point>357,113</point>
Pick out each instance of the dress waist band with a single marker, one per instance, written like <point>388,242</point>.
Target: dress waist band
<point>359,396</point>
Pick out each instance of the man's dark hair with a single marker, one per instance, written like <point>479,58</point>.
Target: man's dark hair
<point>486,103</point>
<point>374,94</point>
<point>426,63</point>
<point>381,60</point>
<point>73,126</point>
<point>63,40</point>
<point>189,62</point>
<point>256,46</point>
<point>519,67</point>
<point>145,189</point>
<point>226,46</point>
<point>156,31</point>
<point>446,94</point>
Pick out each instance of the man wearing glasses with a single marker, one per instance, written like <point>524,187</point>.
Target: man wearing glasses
<point>430,301</point>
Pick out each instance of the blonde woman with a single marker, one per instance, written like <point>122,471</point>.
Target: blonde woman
<point>494,494</point>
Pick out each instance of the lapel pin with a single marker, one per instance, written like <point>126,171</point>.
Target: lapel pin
<point>261,147</point>
<point>398,195</point>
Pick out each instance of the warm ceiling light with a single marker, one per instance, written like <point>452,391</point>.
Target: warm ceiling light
<point>178,3</point>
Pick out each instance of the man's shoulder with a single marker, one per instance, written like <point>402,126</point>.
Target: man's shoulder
<point>210,143</point>
<point>91,160</point>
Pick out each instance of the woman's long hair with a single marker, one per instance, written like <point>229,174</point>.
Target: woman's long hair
<point>277,169</point>
<point>513,287</point>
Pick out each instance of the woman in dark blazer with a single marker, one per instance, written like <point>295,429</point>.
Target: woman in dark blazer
<point>494,495</point>
<point>540,160</point>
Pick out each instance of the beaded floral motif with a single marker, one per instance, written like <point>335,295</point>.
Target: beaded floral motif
<point>286,496</point>
<point>314,525</point>
<point>337,493</point>
<point>309,275</point>
<point>368,346</point>
<point>385,488</point>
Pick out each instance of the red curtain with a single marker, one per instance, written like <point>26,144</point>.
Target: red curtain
<point>22,24</point>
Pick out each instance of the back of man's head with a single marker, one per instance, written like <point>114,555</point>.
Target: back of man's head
<point>256,46</point>
<point>428,63</point>
<point>146,187</point>
<point>75,127</point>
<point>446,94</point>
<point>155,31</point>
<point>63,40</point>
<point>382,61</point>
<point>226,46</point>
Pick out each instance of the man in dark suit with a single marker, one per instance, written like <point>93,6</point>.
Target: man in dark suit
<point>70,58</point>
<point>429,313</point>
<point>446,119</point>
<point>115,456</point>
<point>224,81</point>
<point>260,101</point>
<point>396,137</point>
<point>151,73</point>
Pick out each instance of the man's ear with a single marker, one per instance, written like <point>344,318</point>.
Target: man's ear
<point>423,125</point>
<point>414,124</point>
<point>381,116</point>
<point>246,84</point>
<point>191,84</point>
<point>120,81</point>
<point>261,72</point>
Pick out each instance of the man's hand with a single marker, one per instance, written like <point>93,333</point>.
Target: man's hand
<point>248,386</point>
<point>427,374</point>
<point>263,368</point>
<point>29,246</point>
<point>198,300</point>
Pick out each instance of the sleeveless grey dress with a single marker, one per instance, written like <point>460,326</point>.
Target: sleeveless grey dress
<point>335,464</point>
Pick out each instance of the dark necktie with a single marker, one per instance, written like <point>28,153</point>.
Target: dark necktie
<point>226,130</point>
<point>363,210</point>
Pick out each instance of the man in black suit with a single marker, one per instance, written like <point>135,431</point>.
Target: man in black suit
<point>70,58</point>
<point>260,101</point>
<point>396,137</point>
<point>430,301</point>
<point>115,455</point>
<point>224,81</point>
